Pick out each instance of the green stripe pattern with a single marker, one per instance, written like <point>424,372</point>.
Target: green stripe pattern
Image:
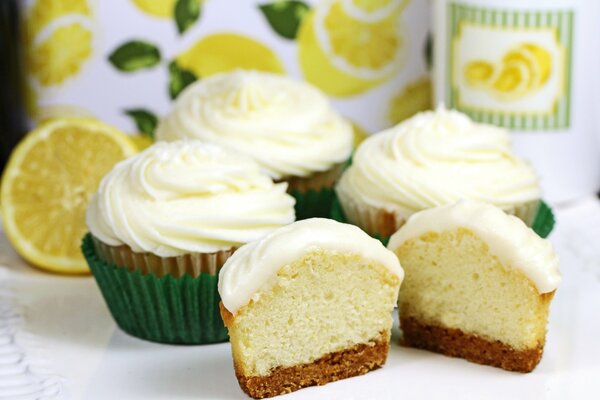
<point>561,20</point>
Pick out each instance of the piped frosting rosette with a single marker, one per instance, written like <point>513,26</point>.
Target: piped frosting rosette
<point>433,159</point>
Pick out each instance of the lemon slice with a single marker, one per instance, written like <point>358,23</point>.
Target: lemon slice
<point>479,73</point>
<point>46,186</point>
<point>61,55</point>
<point>347,47</point>
<point>513,81</point>
<point>537,60</point>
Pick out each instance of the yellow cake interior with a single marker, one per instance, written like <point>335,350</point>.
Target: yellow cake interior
<point>452,280</point>
<point>322,303</point>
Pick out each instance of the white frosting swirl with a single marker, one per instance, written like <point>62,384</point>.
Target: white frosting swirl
<point>185,197</point>
<point>438,158</point>
<point>287,126</point>
<point>508,238</point>
<point>251,269</point>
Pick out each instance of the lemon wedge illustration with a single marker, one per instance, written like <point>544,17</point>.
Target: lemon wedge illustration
<point>348,47</point>
<point>415,97</point>
<point>479,73</point>
<point>224,52</point>
<point>157,8</point>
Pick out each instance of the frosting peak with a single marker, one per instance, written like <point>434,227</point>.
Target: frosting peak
<point>251,268</point>
<point>287,126</point>
<point>185,197</point>
<point>438,158</point>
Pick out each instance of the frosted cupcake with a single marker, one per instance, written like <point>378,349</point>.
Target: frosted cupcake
<point>161,226</point>
<point>287,127</point>
<point>435,158</point>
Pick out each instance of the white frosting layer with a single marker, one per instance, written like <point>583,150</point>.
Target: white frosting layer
<point>287,126</point>
<point>509,239</point>
<point>185,197</point>
<point>253,267</point>
<point>438,158</point>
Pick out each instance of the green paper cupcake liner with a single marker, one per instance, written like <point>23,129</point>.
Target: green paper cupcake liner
<point>542,224</point>
<point>182,310</point>
<point>313,203</point>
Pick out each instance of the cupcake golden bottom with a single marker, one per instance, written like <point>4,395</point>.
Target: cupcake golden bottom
<point>160,299</point>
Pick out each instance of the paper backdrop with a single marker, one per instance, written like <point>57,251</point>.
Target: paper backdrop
<point>125,61</point>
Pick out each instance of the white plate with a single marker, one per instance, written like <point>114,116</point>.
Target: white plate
<point>95,360</point>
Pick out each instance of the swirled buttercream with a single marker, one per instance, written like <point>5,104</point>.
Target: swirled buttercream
<point>287,126</point>
<point>251,268</point>
<point>507,237</point>
<point>184,197</point>
<point>438,158</point>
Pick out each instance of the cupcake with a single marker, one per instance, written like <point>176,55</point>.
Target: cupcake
<point>287,127</point>
<point>478,285</point>
<point>435,158</point>
<point>164,222</point>
<point>309,304</point>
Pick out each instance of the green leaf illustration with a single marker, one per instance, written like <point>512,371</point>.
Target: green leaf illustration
<point>145,121</point>
<point>544,220</point>
<point>285,16</point>
<point>135,55</point>
<point>428,51</point>
<point>186,13</point>
<point>179,79</point>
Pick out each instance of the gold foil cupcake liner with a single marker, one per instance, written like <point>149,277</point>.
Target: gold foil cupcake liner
<point>193,264</point>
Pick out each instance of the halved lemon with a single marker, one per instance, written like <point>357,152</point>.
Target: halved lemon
<point>46,186</point>
<point>347,47</point>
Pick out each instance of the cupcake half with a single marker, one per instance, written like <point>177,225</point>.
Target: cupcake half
<point>287,127</point>
<point>161,226</point>
<point>433,159</point>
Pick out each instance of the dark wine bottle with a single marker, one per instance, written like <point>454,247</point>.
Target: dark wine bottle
<point>12,112</point>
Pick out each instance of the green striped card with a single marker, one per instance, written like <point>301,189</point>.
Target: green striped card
<point>510,68</point>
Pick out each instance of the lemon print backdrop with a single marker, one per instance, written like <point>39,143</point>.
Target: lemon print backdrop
<point>125,62</point>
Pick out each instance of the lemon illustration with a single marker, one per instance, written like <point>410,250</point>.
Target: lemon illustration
<point>348,47</point>
<point>61,55</point>
<point>523,70</point>
<point>414,97</point>
<point>537,60</point>
<point>479,73</point>
<point>224,52</point>
<point>42,12</point>
<point>513,81</point>
<point>158,8</point>
<point>359,134</point>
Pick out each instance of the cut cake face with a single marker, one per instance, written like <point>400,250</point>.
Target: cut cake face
<point>308,305</point>
<point>478,285</point>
